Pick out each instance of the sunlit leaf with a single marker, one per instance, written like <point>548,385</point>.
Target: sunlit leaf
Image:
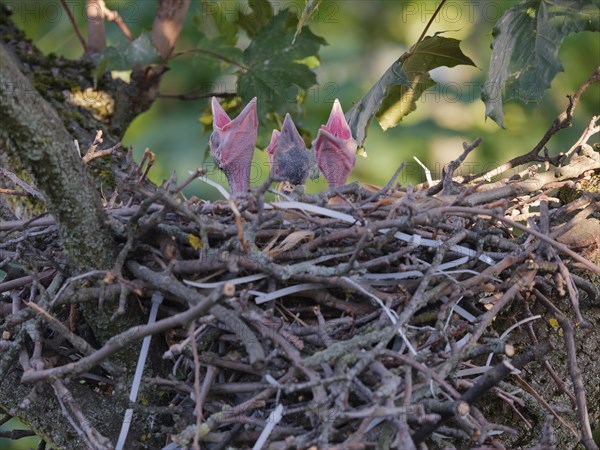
<point>432,52</point>
<point>527,39</point>
<point>195,241</point>
<point>395,94</point>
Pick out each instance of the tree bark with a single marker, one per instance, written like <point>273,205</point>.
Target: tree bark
<point>46,150</point>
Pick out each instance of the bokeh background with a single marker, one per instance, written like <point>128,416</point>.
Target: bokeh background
<point>365,38</point>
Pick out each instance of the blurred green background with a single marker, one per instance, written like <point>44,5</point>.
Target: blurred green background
<point>364,37</point>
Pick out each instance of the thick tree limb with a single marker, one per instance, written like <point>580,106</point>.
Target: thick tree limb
<point>58,170</point>
<point>168,24</point>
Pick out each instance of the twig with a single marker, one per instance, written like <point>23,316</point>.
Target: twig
<point>562,121</point>
<point>557,245</point>
<point>26,187</point>
<point>484,384</point>
<point>74,24</point>
<point>447,180</point>
<point>411,51</point>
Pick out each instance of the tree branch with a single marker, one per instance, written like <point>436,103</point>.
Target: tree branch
<point>46,150</point>
<point>168,24</point>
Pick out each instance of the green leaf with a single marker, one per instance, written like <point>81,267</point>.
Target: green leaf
<point>432,52</point>
<point>275,73</point>
<point>2,275</point>
<point>395,94</point>
<point>527,39</point>
<point>262,11</point>
<point>127,55</point>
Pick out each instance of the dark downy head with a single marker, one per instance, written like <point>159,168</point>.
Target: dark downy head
<point>232,143</point>
<point>335,148</point>
<point>288,157</point>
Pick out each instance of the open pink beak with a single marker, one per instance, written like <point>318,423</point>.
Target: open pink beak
<point>288,157</point>
<point>232,143</point>
<point>335,148</point>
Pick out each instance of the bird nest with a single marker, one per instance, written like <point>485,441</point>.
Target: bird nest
<point>354,318</point>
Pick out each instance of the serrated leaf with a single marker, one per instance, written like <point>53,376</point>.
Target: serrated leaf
<point>128,55</point>
<point>395,94</point>
<point>274,72</point>
<point>527,39</point>
<point>262,11</point>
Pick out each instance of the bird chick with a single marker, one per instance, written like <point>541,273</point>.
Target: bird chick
<point>232,143</point>
<point>288,157</point>
<point>335,148</point>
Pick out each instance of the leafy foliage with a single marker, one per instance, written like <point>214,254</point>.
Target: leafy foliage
<point>262,11</point>
<point>276,72</point>
<point>527,39</point>
<point>127,55</point>
<point>395,94</point>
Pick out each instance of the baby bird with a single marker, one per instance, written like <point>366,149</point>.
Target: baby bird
<point>288,157</point>
<point>232,143</point>
<point>335,148</point>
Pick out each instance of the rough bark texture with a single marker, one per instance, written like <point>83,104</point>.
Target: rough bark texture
<point>47,151</point>
<point>46,102</point>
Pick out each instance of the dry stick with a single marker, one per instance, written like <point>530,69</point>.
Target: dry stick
<point>77,342</point>
<point>589,131</point>
<point>534,340</point>
<point>569,337</point>
<point>557,245</point>
<point>24,281</point>
<point>198,411</point>
<point>170,285</point>
<point>387,187</point>
<point>490,379</point>
<point>122,340</point>
<point>26,187</point>
<point>84,428</point>
<point>523,282</point>
<point>562,121</point>
<point>446,183</point>
<point>208,385</point>
<point>529,389</point>
<point>236,325</point>
<point>13,192</point>
<point>93,151</point>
